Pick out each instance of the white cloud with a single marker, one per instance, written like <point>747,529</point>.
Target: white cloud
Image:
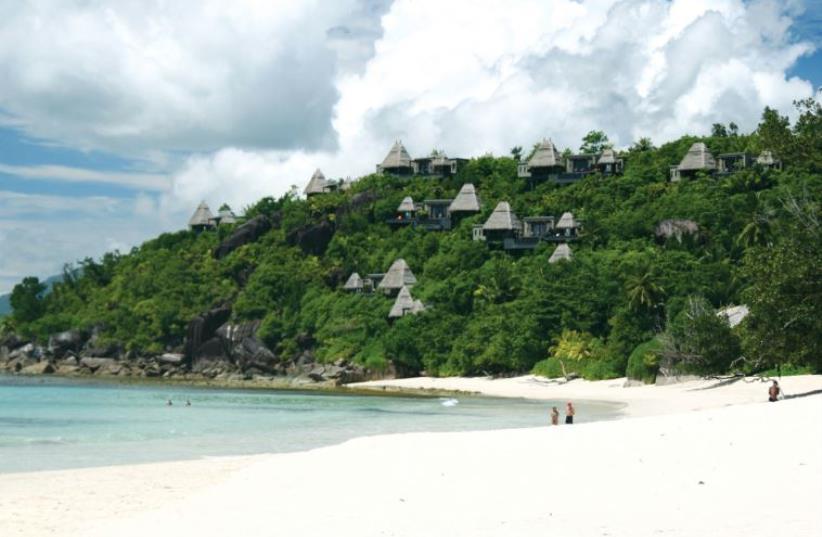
<point>70,174</point>
<point>135,76</point>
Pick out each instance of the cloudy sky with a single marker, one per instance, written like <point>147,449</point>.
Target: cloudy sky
<point>118,117</point>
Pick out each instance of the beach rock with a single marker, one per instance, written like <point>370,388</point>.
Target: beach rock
<point>13,341</point>
<point>312,239</point>
<point>40,368</point>
<point>170,358</point>
<point>29,351</point>
<point>244,234</point>
<point>61,343</point>
<point>112,368</point>
<point>204,328</point>
<point>67,370</point>
<point>93,364</point>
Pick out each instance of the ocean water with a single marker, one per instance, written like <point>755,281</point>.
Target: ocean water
<point>50,423</point>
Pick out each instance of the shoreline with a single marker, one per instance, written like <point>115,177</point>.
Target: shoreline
<point>683,450</point>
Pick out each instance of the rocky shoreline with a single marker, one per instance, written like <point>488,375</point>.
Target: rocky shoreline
<point>215,352</point>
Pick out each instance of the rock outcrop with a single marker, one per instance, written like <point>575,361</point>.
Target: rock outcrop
<point>312,239</point>
<point>244,234</point>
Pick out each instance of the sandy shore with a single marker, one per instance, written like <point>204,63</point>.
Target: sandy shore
<point>748,469</point>
<point>644,400</point>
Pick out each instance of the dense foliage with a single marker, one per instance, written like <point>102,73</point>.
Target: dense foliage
<point>493,311</point>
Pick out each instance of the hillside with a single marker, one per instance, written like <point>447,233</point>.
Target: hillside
<point>747,237</point>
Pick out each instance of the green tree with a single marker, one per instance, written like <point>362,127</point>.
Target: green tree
<point>718,130</point>
<point>27,300</point>
<point>594,142</point>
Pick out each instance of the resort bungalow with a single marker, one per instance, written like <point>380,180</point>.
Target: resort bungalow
<point>406,213</point>
<point>225,216</point>
<point>399,275</point>
<point>318,184</point>
<point>697,159</point>
<point>578,166</point>
<point>405,305</point>
<point>354,283</point>
<point>561,253</point>
<point>397,161</point>
<point>567,227</point>
<point>731,162</point>
<point>438,164</point>
<point>501,225</point>
<point>546,163</point>
<point>202,219</point>
<point>609,164</point>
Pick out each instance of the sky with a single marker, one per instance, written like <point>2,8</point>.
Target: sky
<point>117,118</point>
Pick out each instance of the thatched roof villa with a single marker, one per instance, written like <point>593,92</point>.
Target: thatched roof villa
<point>399,275</point>
<point>354,283</point>
<point>466,201</point>
<point>397,161</point>
<point>202,218</point>
<point>405,305</point>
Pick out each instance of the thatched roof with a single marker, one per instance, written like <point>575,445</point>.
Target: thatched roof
<point>202,216</point>
<point>608,156</point>
<point>503,218</point>
<point>566,221</point>
<point>418,307</point>
<point>466,200</point>
<point>407,205</point>
<point>227,216</point>
<point>354,282</point>
<point>765,158</point>
<point>546,156</point>
<point>317,184</point>
<point>398,276</point>
<point>698,158</point>
<point>397,157</point>
<point>562,252</point>
<point>402,305</point>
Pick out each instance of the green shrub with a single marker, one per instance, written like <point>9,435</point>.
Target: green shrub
<point>550,367</point>
<point>643,363</point>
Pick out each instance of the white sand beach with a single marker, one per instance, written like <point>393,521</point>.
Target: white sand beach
<point>737,467</point>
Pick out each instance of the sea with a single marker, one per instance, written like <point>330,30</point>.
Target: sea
<point>48,423</point>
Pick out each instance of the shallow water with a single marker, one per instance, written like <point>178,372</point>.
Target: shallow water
<point>49,423</point>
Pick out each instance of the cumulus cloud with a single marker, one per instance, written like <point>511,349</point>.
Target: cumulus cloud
<point>136,76</point>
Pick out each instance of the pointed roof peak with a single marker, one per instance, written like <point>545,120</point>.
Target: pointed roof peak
<point>545,156</point>
<point>202,215</point>
<point>397,157</point>
<point>399,275</point>
<point>407,205</point>
<point>698,158</point>
<point>503,218</point>
<point>317,184</point>
<point>561,253</point>
<point>466,200</point>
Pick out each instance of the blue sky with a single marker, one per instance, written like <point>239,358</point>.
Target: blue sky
<point>108,138</point>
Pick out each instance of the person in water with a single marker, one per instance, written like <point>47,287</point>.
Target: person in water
<point>569,413</point>
<point>773,392</point>
<point>554,416</point>
<point>169,403</point>
<point>188,402</point>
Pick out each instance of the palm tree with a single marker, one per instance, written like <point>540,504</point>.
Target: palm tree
<point>643,291</point>
<point>757,232</point>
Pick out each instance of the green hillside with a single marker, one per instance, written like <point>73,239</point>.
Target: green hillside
<point>490,310</point>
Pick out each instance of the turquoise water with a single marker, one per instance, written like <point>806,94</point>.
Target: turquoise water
<point>49,423</point>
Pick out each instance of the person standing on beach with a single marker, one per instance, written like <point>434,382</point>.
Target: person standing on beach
<point>554,416</point>
<point>773,392</point>
<point>569,413</point>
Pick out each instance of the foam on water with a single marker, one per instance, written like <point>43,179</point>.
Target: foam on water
<point>48,423</point>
